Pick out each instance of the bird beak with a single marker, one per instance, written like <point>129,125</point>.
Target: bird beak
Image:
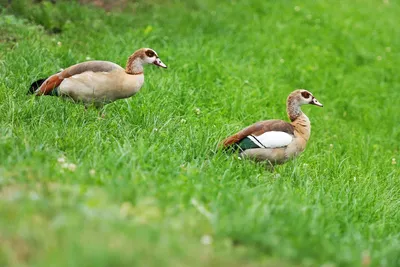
<point>159,63</point>
<point>314,101</point>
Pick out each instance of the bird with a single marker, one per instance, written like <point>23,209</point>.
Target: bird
<point>276,141</point>
<point>98,82</point>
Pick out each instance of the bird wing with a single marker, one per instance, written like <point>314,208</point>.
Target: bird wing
<point>264,134</point>
<point>56,79</point>
<point>272,139</point>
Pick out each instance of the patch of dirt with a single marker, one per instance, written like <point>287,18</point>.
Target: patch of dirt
<point>16,248</point>
<point>107,4</point>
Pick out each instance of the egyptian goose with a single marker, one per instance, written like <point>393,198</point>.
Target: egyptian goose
<point>98,82</point>
<point>276,141</point>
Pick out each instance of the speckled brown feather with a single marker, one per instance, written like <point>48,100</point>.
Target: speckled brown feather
<point>139,53</point>
<point>292,107</point>
<point>259,128</point>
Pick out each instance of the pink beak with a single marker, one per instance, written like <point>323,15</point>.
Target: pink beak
<point>314,101</point>
<point>159,63</point>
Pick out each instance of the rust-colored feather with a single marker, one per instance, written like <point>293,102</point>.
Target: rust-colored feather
<point>51,83</point>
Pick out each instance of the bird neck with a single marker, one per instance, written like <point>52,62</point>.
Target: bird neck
<point>298,119</point>
<point>302,126</point>
<point>293,109</point>
<point>134,65</point>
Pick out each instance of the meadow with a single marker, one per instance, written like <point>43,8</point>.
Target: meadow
<point>146,186</point>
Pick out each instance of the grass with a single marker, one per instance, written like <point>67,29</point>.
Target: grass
<point>148,189</point>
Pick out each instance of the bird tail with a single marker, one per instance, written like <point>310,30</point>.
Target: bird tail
<point>47,86</point>
<point>35,85</point>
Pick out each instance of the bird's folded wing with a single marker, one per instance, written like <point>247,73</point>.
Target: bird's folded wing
<point>95,66</point>
<point>262,127</point>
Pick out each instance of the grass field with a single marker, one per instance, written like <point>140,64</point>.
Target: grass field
<point>144,186</point>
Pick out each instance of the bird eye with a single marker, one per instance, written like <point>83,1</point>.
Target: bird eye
<point>305,94</point>
<point>150,53</point>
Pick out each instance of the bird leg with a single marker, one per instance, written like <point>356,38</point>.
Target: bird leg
<point>269,166</point>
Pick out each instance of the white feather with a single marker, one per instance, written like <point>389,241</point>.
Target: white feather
<point>272,139</point>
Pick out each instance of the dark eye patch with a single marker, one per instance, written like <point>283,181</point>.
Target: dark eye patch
<point>150,53</point>
<point>305,94</point>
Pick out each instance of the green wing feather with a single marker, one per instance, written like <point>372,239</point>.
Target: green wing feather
<point>246,143</point>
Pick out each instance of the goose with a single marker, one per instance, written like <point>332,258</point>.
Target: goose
<point>98,82</point>
<point>276,141</point>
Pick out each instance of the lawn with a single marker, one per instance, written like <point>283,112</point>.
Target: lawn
<point>146,186</point>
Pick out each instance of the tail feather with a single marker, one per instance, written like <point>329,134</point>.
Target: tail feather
<point>50,84</point>
<point>35,85</point>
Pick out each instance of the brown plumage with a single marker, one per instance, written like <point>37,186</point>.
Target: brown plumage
<point>276,141</point>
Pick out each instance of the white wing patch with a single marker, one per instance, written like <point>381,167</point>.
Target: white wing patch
<point>272,139</point>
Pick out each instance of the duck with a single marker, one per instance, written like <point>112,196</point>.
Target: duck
<point>276,141</point>
<point>98,82</point>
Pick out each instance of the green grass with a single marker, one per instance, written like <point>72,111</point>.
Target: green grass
<point>148,186</point>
